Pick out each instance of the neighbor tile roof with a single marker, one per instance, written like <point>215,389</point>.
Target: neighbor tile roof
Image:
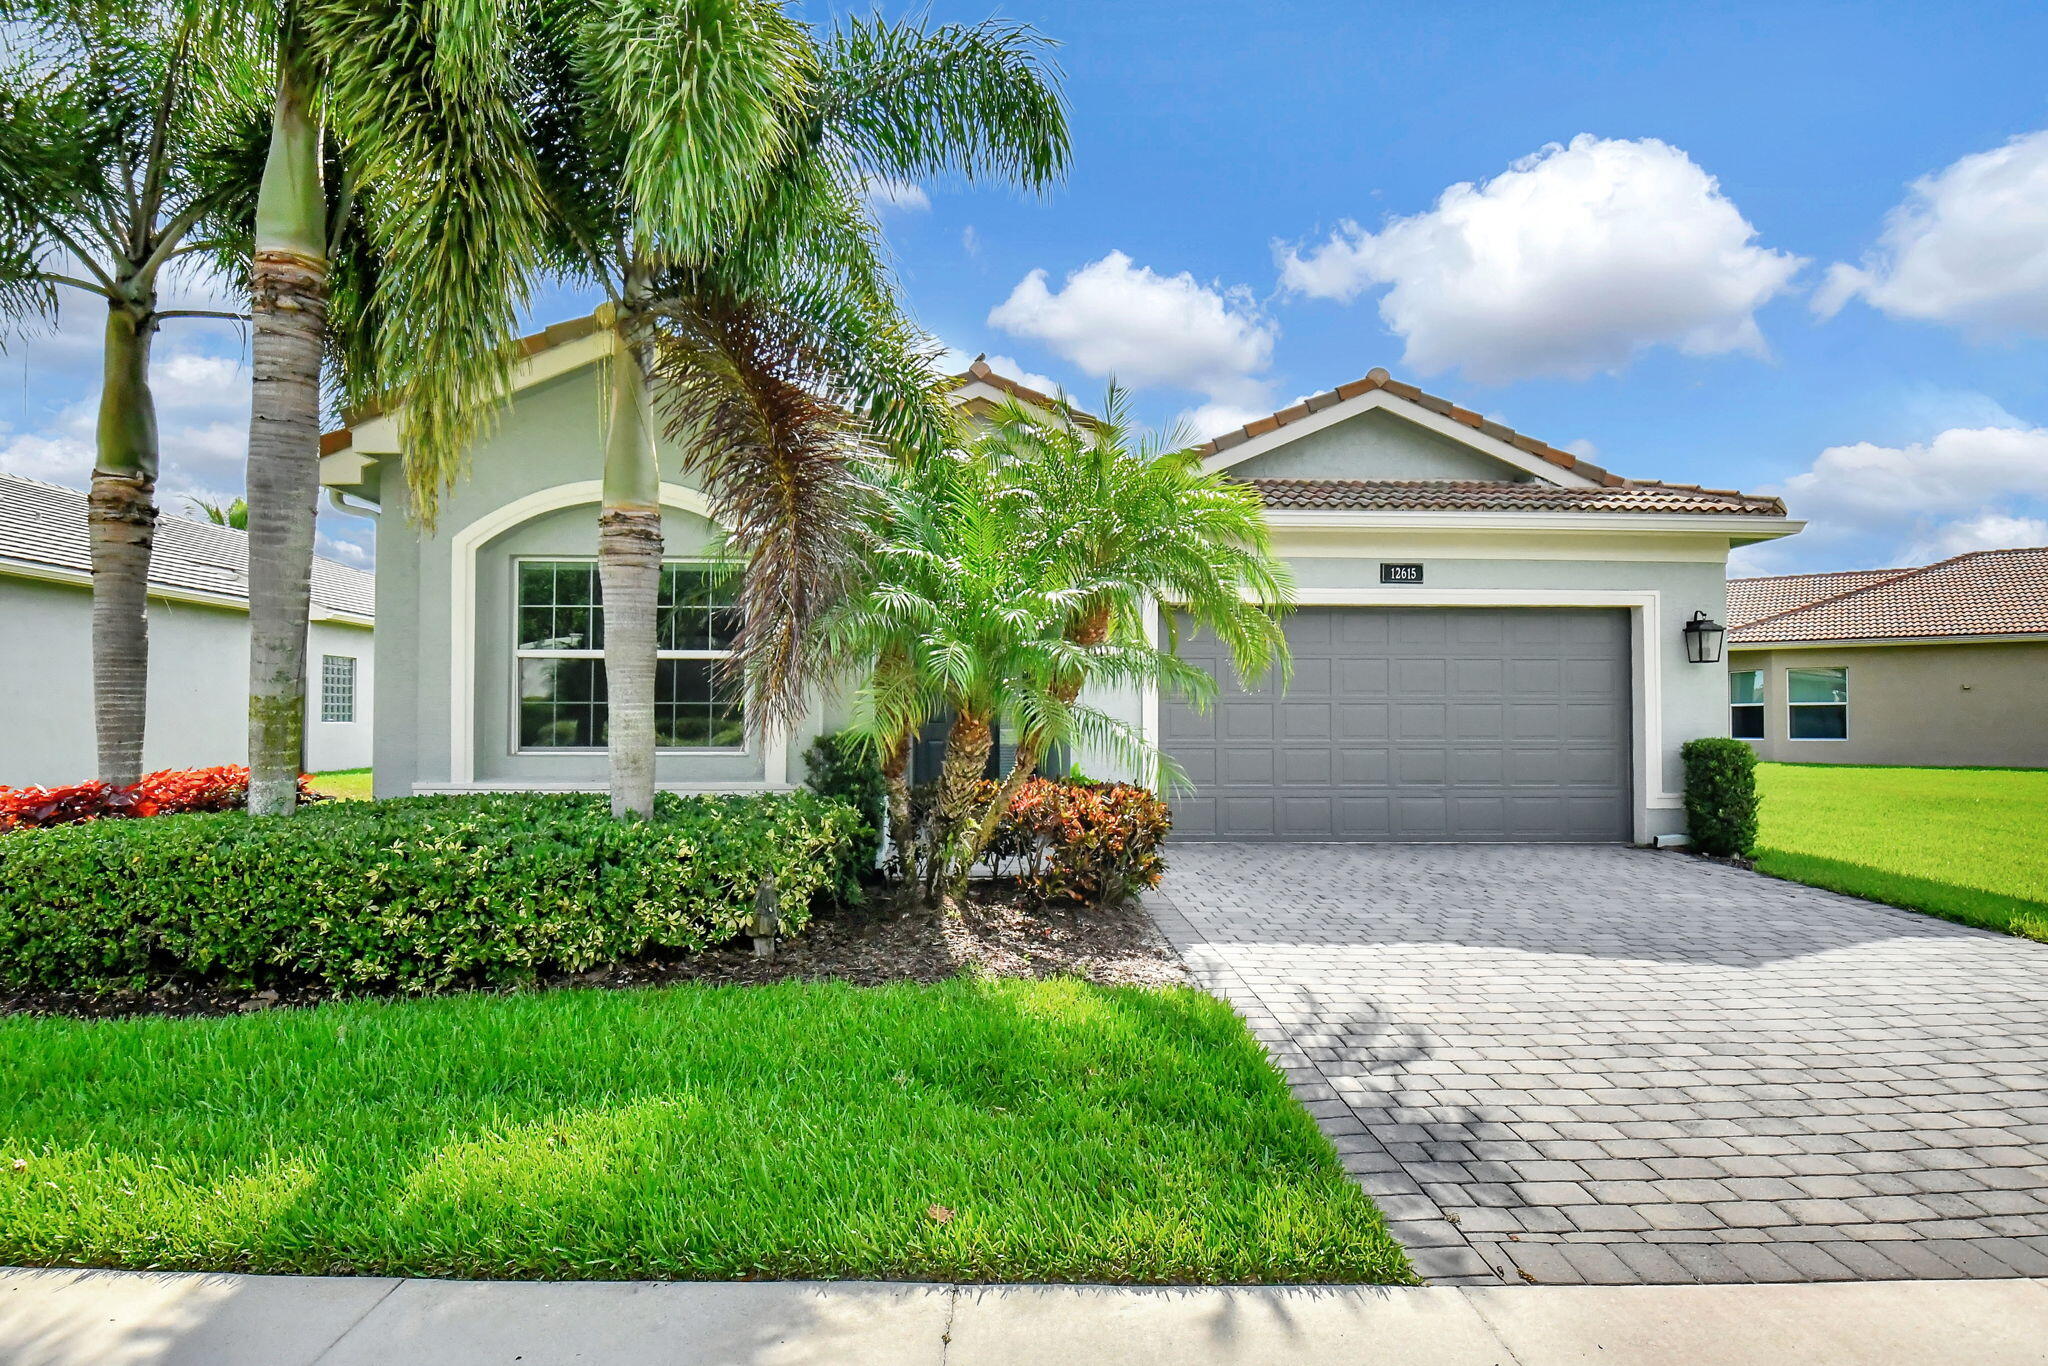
<point>1752,599</point>
<point>1380,379</point>
<point>1477,495</point>
<point>44,524</point>
<point>1983,593</point>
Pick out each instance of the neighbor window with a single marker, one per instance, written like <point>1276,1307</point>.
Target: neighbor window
<point>1746,704</point>
<point>1817,703</point>
<point>337,688</point>
<point>560,657</point>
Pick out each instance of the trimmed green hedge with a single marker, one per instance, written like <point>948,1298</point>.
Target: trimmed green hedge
<point>1720,795</point>
<point>412,895</point>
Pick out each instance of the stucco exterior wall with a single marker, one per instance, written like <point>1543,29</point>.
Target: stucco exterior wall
<point>550,439</point>
<point>1960,705</point>
<point>1376,445</point>
<point>547,440</point>
<point>198,686</point>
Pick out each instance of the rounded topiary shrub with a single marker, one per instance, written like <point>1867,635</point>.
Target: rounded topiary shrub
<point>1720,795</point>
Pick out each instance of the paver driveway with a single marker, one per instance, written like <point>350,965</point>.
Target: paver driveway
<point>1595,1063</point>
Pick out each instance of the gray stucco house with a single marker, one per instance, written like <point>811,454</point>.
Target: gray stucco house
<point>1945,664</point>
<point>1489,644</point>
<point>198,646</point>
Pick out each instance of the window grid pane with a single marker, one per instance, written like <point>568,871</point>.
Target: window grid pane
<point>562,697</point>
<point>1746,722</point>
<point>1746,687</point>
<point>1817,685</point>
<point>337,688</point>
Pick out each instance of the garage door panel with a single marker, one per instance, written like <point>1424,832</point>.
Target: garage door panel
<point>1198,763</point>
<point>1417,724</point>
<point>1305,719</point>
<point>1247,720</point>
<point>1364,720</point>
<point>1371,677</point>
<point>1478,721</point>
<point>1362,817</point>
<point>1251,815</point>
<point>1473,766</point>
<point>1364,767</point>
<point>1420,721</point>
<point>1301,767</point>
<point>1306,818</point>
<point>1478,677</point>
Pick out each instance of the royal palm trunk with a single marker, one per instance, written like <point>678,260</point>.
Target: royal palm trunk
<point>288,310</point>
<point>629,573</point>
<point>121,516</point>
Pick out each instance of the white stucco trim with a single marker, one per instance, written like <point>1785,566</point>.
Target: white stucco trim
<point>463,548</point>
<point>1646,666</point>
<point>1412,412</point>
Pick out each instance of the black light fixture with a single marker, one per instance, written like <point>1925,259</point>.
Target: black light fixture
<point>1703,637</point>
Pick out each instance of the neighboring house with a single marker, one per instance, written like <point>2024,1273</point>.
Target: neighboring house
<point>1489,645</point>
<point>198,646</point>
<point>1946,664</point>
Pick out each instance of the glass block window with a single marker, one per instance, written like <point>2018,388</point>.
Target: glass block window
<point>1746,704</point>
<point>337,688</point>
<point>1817,704</point>
<point>560,657</point>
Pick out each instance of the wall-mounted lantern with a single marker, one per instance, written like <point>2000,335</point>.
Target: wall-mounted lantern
<point>1703,637</point>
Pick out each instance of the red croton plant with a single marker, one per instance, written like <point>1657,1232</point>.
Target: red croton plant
<point>166,792</point>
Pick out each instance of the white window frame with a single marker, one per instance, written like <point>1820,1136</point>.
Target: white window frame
<point>327,696</point>
<point>1843,670</point>
<point>1760,706</point>
<point>744,747</point>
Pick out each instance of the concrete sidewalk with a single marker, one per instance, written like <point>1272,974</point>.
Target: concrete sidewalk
<point>111,1318</point>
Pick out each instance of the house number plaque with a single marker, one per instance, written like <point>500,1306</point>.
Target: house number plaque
<point>1400,573</point>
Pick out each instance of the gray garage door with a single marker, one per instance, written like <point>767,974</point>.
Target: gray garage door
<point>1417,724</point>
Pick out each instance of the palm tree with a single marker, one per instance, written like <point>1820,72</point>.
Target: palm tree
<point>1005,581</point>
<point>703,163</point>
<point>229,514</point>
<point>1137,516</point>
<point>123,150</point>
<point>413,293</point>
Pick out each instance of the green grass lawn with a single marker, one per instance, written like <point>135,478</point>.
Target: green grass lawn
<point>349,784</point>
<point>1968,844</point>
<point>977,1130</point>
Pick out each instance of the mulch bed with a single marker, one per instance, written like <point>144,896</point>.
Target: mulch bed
<point>997,934</point>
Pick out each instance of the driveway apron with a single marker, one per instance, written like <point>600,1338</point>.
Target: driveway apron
<point>1597,1064</point>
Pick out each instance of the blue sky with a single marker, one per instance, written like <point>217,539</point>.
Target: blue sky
<point>1798,248</point>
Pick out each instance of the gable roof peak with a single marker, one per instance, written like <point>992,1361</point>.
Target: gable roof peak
<point>1379,380</point>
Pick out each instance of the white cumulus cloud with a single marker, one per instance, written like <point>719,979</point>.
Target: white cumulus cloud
<point>1990,531</point>
<point>1569,263</point>
<point>888,192</point>
<point>1968,488</point>
<point>1115,317</point>
<point>1968,247</point>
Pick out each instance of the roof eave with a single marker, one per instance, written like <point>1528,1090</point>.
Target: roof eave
<point>1754,526</point>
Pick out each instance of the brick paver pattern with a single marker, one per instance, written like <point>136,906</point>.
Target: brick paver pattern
<point>1601,1064</point>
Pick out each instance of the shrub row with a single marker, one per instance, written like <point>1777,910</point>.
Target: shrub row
<point>412,895</point>
<point>167,792</point>
<point>1080,841</point>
